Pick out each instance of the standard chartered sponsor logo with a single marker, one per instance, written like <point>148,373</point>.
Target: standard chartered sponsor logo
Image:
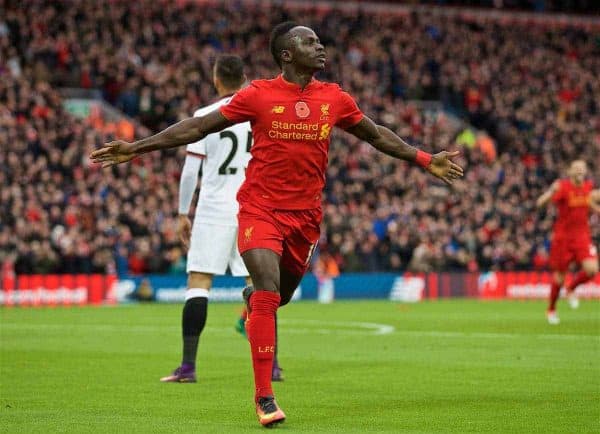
<point>299,130</point>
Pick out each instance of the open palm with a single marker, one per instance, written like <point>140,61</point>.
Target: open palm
<point>443,167</point>
<point>113,153</point>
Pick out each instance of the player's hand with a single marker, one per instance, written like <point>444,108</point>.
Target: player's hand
<point>443,167</point>
<point>113,153</point>
<point>184,229</point>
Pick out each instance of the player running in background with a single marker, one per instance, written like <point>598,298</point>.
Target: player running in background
<point>212,240</point>
<point>571,239</point>
<point>280,202</point>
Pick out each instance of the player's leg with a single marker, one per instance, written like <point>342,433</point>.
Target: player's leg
<point>288,284</point>
<point>263,266</point>
<point>558,279</point>
<point>260,241</point>
<point>208,255</point>
<point>560,258</point>
<point>587,256</point>
<point>262,304</point>
<point>193,320</point>
<point>298,249</point>
<point>276,370</point>
<point>590,267</point>
<point>237,267</point>
<point>240,324</point>
<point>194,314</point>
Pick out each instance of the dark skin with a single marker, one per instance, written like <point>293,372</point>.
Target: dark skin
<point>303,56</point>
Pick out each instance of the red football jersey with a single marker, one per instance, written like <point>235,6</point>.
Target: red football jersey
<point>291,128</point>
<point>573,203</point>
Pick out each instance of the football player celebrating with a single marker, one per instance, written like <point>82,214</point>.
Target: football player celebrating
<point>573,196</point>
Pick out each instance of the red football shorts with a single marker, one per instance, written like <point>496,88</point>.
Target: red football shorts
<point>566,250</point>
<point>292,234</point>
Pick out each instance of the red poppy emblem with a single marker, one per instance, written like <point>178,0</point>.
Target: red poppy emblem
<point>302,109</point>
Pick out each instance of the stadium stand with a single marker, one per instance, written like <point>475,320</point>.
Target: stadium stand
<point>536,95</point>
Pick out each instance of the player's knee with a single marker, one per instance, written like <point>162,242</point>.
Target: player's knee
<point>199,280</point>
<point>591,268</point>
<point>559,278</point>
<point>266,282</point>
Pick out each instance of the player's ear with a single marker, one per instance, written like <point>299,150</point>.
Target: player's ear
<point>286,56</point>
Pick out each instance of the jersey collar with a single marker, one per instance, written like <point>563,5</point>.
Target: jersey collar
<point>289,85</point>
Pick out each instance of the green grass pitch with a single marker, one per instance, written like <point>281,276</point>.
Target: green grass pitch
<point>351,367</point>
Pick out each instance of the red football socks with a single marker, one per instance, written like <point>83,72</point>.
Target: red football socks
<point>579,278</point>
<point>260,328</point>
<point>554,293</point>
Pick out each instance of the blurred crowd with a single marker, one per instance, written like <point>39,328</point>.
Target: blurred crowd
<point>534,89</point>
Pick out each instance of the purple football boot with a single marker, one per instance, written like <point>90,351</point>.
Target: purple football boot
<point>186,373</point>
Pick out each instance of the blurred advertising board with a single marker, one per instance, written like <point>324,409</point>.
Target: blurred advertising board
<point>57,289</point>
<point>528,285</point>
<point>171,289</point>
<point>405,287</point>
<point>81,289</point>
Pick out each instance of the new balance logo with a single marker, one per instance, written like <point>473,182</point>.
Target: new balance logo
<point>278,109</point>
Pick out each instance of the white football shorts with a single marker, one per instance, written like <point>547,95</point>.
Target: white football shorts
<point>213,248</point>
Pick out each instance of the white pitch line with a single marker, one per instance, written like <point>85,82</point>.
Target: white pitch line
<point>335,328</point>
<point>492,335</point>
<point>384,329</point>
<point>377,329</point>
<point>345,327</point>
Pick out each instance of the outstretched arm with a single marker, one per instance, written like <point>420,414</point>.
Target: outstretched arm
<point>547,196</point>
<point>386,141</point>
<point>184,132</point>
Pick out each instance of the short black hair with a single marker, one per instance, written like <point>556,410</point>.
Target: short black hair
<point>279,40</point>
<point>229,69</point>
